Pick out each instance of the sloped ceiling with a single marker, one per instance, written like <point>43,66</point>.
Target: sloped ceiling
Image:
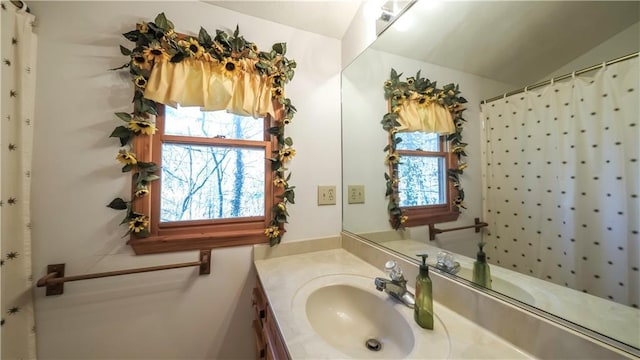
<point>329,18</point>
<point>516,42</point>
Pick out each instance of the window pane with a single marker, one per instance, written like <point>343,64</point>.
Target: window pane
<point>419,141</point>
<point>207,182</point>
<point>422,180</point>
<point>190,121</point>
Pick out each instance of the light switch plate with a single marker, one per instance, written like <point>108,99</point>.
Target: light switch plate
<point>326,195</point>
<point>355,194</point>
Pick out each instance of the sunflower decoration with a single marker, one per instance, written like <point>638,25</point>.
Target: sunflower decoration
<point>126,157</point>
<point>280,182</point>
<point>392,158</point>
<point>140,61</point>
<point>229,67</point>
<point>141,126</point>
<point>138,223</point>
<point>156,42</point>
<point>193,48</point>
<point>287,154</point>
<point>272,232</point>
<point>277,92</point>
<point>155,53</point>
<point>424,93</point>
<point>141,191</point>
<point>140,82</point>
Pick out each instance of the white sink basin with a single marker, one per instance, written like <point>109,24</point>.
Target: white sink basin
<point>350,315</point>
<point>347,317</point>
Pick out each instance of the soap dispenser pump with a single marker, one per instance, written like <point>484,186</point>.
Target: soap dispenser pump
<point>481,272</point>
<point>423,309</point>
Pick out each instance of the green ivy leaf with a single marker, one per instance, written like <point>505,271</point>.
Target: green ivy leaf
<point>126,117</point>
<point>204,38</point>
<point>124,140</point>
<point>148,166</point>
<point>275,164</point>
<point>127,168</point>
<point>280,48</point>
<point>118,204</point>
<point>162,22</point>
<point>125,51</point>
<point>290,195</point>
<point>151,177</point>
<point>288,141</point>
<point>274,130</point>
<point>121,131</point>
<point>179,56</point>
<point>132,35</point>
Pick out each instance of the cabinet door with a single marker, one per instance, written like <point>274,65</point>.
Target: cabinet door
<point>275,345</point>
<point>269,342</point>
<point>259,302</point>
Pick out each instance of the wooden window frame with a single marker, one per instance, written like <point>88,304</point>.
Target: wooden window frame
<point>201,234</point>
<point>432,214</point>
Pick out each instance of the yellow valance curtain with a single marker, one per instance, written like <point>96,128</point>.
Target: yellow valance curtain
<point>211,85</point>
<point>428,118</point>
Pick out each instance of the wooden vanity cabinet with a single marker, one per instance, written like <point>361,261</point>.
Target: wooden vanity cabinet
<point>269,342</point>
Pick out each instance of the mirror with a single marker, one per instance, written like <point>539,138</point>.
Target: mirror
<point>488,48</point>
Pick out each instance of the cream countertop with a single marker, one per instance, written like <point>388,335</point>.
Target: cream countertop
<point>287,281</point>
<point>607,317</point>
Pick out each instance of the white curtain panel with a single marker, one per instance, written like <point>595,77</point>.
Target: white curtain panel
<point>16,144</point>
<point>561,182</point>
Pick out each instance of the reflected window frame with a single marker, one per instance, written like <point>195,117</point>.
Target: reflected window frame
<point>437,213</point>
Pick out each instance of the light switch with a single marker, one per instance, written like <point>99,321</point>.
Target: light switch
<point>355,194</point>
<point>326,195</point>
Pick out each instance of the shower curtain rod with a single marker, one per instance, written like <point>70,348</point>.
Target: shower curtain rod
<point>565,76</point>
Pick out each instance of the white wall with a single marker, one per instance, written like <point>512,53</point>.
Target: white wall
<point>364,140</point>
<point>360,33</point>
<point>175,313</point>
<point>621,44</point>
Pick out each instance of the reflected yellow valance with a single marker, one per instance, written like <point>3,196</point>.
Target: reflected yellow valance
<point>428,118</point>
<point>211,86</point>
<point>416,104</point>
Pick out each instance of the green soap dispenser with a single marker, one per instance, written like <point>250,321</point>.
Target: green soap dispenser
<point>423,309</point>
<point>481,272</point>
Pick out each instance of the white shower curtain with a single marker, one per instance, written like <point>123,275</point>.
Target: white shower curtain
<point>561,182</point>
<point>16,134</point>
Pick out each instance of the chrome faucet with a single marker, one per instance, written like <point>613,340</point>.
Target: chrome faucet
<point>446,263</point>
<point>397,285</point>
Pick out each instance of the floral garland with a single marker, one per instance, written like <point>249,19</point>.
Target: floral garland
<point>424,92</point>
<point>156,41</point>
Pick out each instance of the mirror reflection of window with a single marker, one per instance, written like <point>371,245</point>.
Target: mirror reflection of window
<point>422,170</point>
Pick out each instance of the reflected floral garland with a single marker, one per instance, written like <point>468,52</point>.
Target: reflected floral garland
<point>157,41</point>
<point>422,91</point>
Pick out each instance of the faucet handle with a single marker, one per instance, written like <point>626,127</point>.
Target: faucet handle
<point>394,271</point>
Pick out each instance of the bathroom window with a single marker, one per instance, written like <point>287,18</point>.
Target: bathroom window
<point>424,189</point>
<point>215,187</point>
